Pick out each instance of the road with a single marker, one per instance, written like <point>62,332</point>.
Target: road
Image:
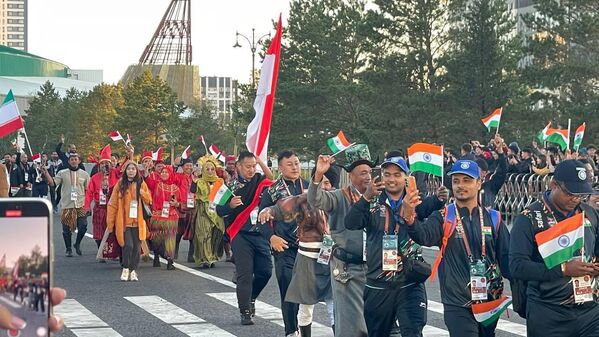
<point>186,301</point>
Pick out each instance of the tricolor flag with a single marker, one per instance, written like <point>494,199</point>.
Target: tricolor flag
<point>216,152</point>
<point>426,158</point>
<point>157,155</point>
<point>36,158</point>
<point>578,136</point>
<point>487,313</point>
<point>115,136</point>
<point>338,143</point>
<point>492,121</point>
<point>220,193</point>
<point>558,136</point>
<point>559,243</point>
<point>186,153</point>
<point>10,118</point>
<point>258,130</point>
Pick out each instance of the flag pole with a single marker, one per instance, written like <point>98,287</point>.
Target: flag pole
<point>442,165</point>
<point>27,139</point>
<point>569,124</point>
<point>338,152</point>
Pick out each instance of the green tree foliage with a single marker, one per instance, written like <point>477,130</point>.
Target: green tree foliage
<point>45,120</point>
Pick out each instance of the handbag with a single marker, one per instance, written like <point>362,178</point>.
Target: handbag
<point>147,210</point>
<point>416,270</point>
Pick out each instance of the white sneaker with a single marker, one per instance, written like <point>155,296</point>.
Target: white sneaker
<point>125,274</point>
<point>133,276</point>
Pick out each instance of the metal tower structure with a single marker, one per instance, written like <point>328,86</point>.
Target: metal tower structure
<point>171,43</point>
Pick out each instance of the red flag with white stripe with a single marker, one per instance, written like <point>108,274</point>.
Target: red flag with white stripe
<point>157,155</point>
<point>258,131</point>
<point>36,158</point>
<point>10,118</point>
<point>186,153</point>
<point>115,136</point>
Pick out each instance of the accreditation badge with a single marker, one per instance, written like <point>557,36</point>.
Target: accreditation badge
<point>583,290</point>
<point>324,256</point>
<point>73,194</point>
<point>166,206</point>
<point>478,281</point>
<point>190,200</point>
<point>390,252</point>
<point>102,198</point>
<point>133,209</point>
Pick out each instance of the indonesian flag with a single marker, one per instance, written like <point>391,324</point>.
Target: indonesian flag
<point>216,152</point>
<point>578,136</point>
<point>557,136</point>
<point>338,143</point>
<point>10,118</point>
<point>219,193</point>
<point>426,158</point>
<point>157,155</point>
<point>37,158</point>
<point>492,121</point>
<point>559,243</point>
<point>258,131</point>
<point>15,271</point>
<point>488,312</point>
<point>115,136</point>
<point>186,153</point>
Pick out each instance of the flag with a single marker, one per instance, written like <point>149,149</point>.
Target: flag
<point>217,153</point>
<point>115,136</point>
<point>36,158</point>
<point>558,136</point>
<point>15,271</point>
<point>578,136</point>
<point>558,243</point>
<point>338,143</point>
<point>128,141</point>
<point>157,155</point>
<point>492,121</point>
<point>201,139</point>
<point>258,130</point>
<point>186,153</point>
<point>426,158</point>
<point>3,262</point>
<point>219,193</point>
<point>488,312</point>
<point>10,118</point>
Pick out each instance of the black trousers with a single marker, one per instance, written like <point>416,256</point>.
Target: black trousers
<point>39,190</point>
<point>548,320</point>
<point>52,190</point>
<point>81,230</point>
<point>461,323</point>
<point>131,250</point>
<point>253,265</point>
<point>284,262</point>
<point>383,306</point>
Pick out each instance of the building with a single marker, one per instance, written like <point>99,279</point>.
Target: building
<point>219,93</point>
<point>13,24</point>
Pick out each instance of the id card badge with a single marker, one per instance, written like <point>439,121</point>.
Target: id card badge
<point>166,206</point>
<point>478,281</point>
<point>102,198</point>
<point>324,256</point>
<point>364,252</point>
<point>73,194</point>
<point>26,176</point>
<point>254,216</point>
<point>212,207</point>
<point>583,289</point>
<point>133,209</point>
<point>390,252</point>
<point>190,200</point>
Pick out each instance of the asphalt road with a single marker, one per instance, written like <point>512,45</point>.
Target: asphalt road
<point>186,301</point>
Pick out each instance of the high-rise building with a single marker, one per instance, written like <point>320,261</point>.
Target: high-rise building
<point>13,23</point>
<point>220,94</point>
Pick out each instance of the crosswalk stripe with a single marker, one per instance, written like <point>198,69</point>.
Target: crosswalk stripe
<point>431,331</point>
<point>511,327</point>
<point>180,319</point>
<point>10,303</point>
<point>271,313</point>
<point>82,322</point>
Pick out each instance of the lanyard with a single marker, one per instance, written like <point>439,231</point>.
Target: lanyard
<point>460,227</point>
<point>289,192</point>
<point>387,211</point>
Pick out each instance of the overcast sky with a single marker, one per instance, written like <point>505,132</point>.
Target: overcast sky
<point>112,34</point>
<point>18,236</point>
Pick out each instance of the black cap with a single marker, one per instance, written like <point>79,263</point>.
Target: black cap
<point>186,161</point>
<point>573,175</point>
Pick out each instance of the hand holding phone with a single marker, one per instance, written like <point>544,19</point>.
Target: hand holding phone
<point>376,174</point>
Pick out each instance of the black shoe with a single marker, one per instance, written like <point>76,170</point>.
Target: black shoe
<point>156,261</point>
<point>169,265</point>
<point>69,253</point>
<point>246,318</point>
<point>212,265</point>
<point>78,250</point>
<point>253,307</point>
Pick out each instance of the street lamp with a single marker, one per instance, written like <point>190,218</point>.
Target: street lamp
<point>253,46</point>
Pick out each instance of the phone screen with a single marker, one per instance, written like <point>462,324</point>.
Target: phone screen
<point>25,258</point>
<point>376,173</point>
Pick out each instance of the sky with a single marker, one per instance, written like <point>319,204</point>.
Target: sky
<point>111,35</point>
<point>18,236</point>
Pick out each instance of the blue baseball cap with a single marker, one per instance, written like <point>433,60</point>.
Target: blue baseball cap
<point>467,167</point>
<point>397,161</point>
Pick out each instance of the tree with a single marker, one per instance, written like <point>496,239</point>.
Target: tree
<point>44,117</point>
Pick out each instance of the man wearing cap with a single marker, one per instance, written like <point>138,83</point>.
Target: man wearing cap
<point>391,292</point>
<point>348,266</point>
<point>469,271</point>
<point>554,306</point>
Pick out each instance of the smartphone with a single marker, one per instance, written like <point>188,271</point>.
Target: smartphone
<point>376,174</point>
<point>26,263</point>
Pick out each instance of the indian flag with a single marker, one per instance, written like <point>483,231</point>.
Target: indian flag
<point>492,121</point>
<point>426,158</point>
<point>487,313</point>
<point>558,136</point>
<point>338,143</point>
<point>558,243</point>
<point>10,118</point>
<point>578,136</point>
<point>219,193</point>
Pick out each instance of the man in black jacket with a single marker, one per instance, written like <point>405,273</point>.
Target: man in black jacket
<point>554,305</point>
<point>492,183</point>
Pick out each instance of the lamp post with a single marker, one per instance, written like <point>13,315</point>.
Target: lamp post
<point>253,43</point>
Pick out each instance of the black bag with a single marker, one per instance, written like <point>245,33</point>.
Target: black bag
<point>147,209</point>
<point>519,296</point>
<point>416,270</point>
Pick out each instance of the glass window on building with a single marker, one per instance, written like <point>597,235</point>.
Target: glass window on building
<point>212,82</point>
<point>221,105</point>
<point>228,82</point>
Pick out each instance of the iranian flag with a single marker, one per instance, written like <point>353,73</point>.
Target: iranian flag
<point>578,136</point>
<point>186,153</point>
<point>220,193</point>
<point>10,118</point>
<point>558,243</point>
<point>258,130</point>
<point>557,136</point>
<point>487,313</point>
<point>115,136</point>
<point>426,158</point>
<point>492,121</point>
<point>338,143</point>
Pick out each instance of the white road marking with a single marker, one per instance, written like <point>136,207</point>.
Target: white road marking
<point>83,322</point>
